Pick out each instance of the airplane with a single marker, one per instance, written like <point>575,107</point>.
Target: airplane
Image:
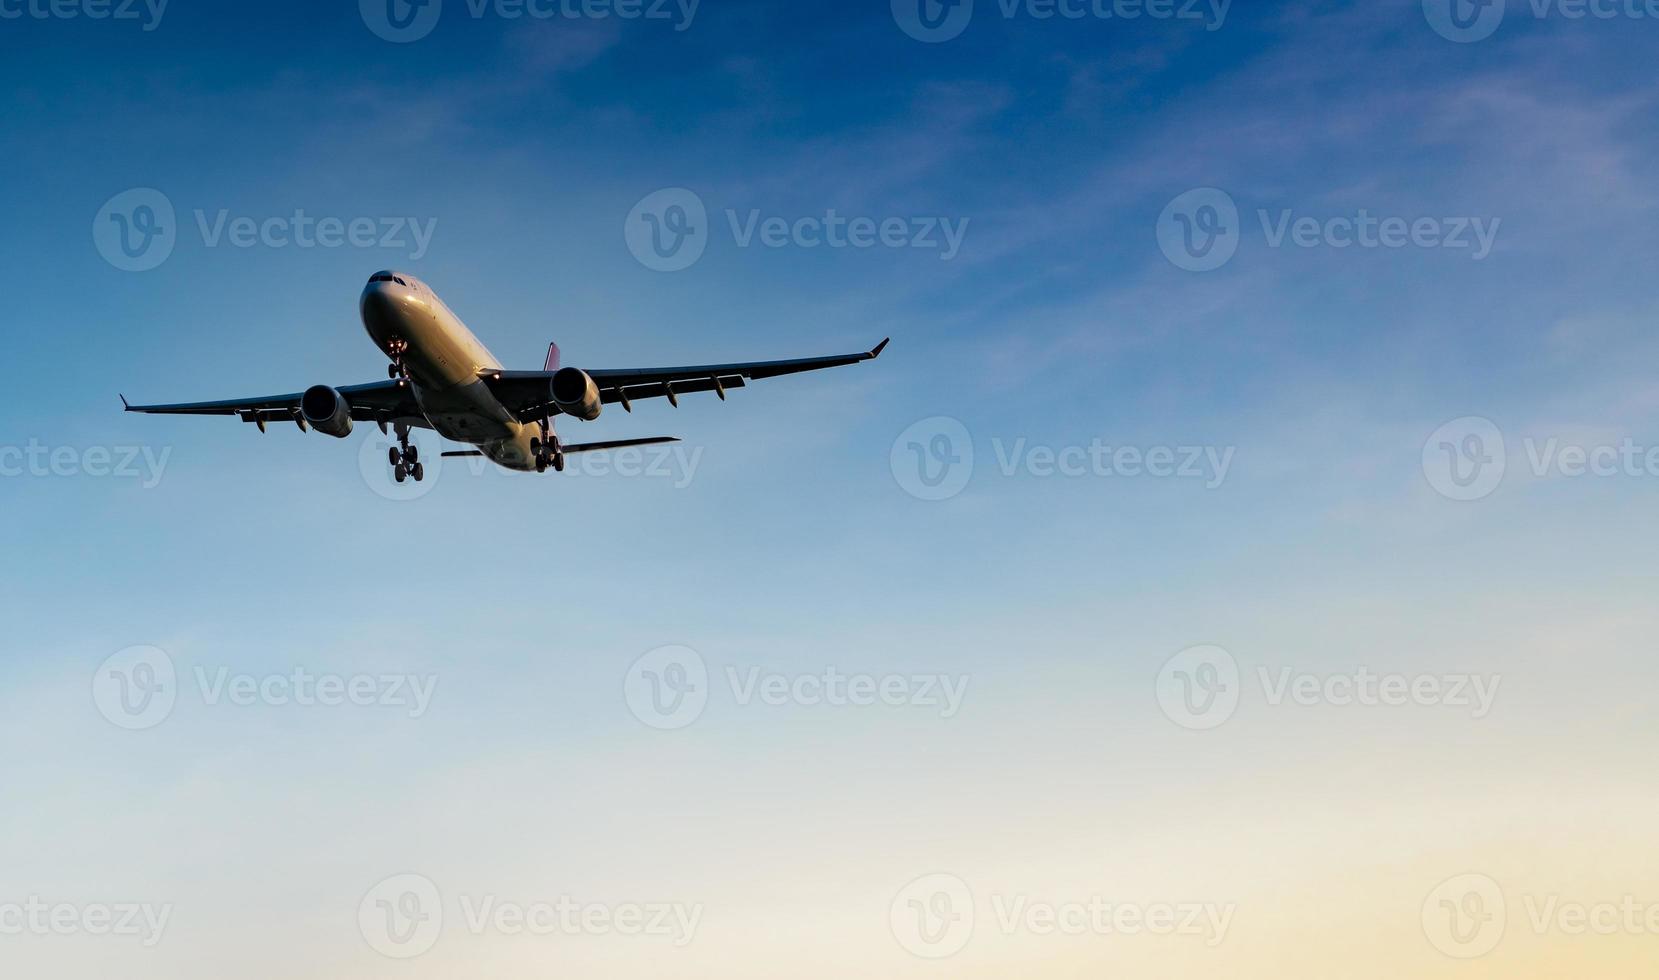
<point>441,377</point>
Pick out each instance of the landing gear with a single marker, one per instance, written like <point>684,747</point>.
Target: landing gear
<point>397,370</point>
<point>548,451</point>
<point>405,459</point>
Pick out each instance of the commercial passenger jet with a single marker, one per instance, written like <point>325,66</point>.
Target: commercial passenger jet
<point>442,378</point>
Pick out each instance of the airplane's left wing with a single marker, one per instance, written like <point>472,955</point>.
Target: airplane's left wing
<point>526,393</point>
<point>381,401</point>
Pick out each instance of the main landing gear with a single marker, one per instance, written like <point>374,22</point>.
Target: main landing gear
<point>549,451</point>
<point>397,370</point>
<point>405,459</point>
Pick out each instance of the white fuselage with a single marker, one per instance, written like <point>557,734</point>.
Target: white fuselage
<point>445,362</point>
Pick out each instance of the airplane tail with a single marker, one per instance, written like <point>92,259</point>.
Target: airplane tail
<point>552,358</point>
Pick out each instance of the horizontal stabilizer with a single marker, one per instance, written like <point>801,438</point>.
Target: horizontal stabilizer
<point>586,447</point>
<point>597,447</point>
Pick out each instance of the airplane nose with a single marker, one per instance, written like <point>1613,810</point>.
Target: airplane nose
<point>378,300</point>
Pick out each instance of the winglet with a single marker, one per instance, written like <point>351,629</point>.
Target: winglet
<point>124,404</point>
<point>879,348</point>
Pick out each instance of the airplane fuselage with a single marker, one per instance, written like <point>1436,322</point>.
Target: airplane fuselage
<point>443,362</point>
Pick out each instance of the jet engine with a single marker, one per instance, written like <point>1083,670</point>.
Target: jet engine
<point>576,394</point>
<point>327,411</point>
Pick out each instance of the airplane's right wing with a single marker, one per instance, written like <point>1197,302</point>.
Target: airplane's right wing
<point>527,393</point>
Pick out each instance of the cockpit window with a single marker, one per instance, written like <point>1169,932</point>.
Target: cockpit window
<point>387,277</point>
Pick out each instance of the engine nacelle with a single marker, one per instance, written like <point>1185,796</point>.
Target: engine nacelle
<point>327,411</point>
<point>576,394</point>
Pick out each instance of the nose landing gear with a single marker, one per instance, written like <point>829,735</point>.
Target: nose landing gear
<point>397,370</point>
<point>405,459</point>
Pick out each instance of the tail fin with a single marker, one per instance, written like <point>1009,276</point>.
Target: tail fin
<point>552,358</point>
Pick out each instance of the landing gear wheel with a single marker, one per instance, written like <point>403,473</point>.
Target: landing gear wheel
<point>405,459</point>
<point>393,372</point>
<point>559,462</point>
<point>541,463</point>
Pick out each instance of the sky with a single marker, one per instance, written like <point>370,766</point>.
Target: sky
<point>1238,564</point>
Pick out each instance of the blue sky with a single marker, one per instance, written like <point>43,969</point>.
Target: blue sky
<point>793,542</point>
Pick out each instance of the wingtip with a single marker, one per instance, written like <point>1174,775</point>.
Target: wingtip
<point>879,348</point>
<point>124,406</point>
